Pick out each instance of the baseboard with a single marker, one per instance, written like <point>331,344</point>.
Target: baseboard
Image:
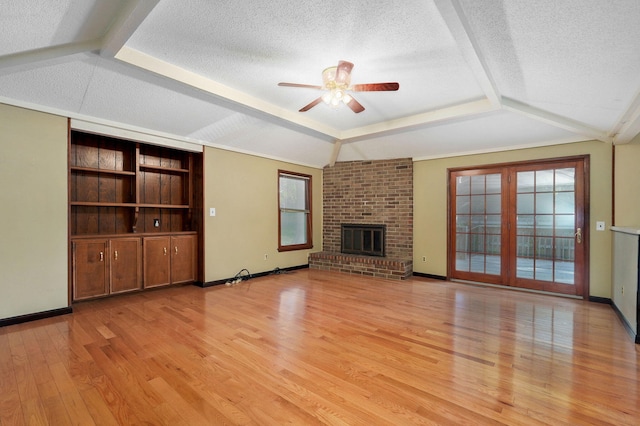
<point>604,300</point>
<point>433,277</point>
<point>626,325</point>
<point>36,316</point>
<point>254,275</point>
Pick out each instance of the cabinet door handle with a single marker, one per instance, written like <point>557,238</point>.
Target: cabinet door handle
<point>165,251</point>
<point>101,256</point>
<point>115,255</point>
<point>176,249</point>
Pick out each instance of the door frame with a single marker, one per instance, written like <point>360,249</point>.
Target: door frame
<point>585,159</point>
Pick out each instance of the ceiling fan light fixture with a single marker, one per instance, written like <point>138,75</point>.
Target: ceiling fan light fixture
<point>336,81</point>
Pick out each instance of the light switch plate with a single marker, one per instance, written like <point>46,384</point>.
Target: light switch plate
<point>212,211</point>
<point>599,226</point>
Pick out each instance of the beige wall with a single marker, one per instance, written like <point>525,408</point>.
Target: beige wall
<point>627,185</point>
<point>430,206</point>
<point>33,212</point>
<point>244,191</point>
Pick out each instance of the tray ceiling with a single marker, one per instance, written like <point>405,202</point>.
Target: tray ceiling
<point>474,76</point>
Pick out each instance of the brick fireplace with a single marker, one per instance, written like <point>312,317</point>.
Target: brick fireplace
<point>368,192</point>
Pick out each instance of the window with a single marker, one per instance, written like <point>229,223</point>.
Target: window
<point>294,219</point>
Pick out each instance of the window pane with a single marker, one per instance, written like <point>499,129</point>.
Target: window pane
<point>493,265</point>
<point>463,185</point>
<point>565,249</point>
<point>462,262</point>
<point>477,204</point>
<point>462,242</point>
<point>493,244</point>
<point>525,204</point>
<point>565,202</point>
<point>463,223</point>
<point>544,203</point>
<point>525,224</point>
<point>544,225</point>
<point>293,228</point>
<point>544,180</point>
<point>525,181</point>
<point>494,183</point>
<point>544,270</point>
<point>477,224</point>
<point>293,193</point>
<point>565,179</point>
<point>295,211</point>
<point>524,268</point>
<point>463,204</point>
<point>493,203</point>
<point>477,184</point>
<point>493,225</point>
<point>565,225</point>
<point>477,263</point>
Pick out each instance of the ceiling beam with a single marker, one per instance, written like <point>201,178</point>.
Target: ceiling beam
<point>25,60</point>
<point>166,69</point>
<point>125,24</point>
<point>554,120</point>
<point>454,17</point>
<point>337,144</point>
<point>629,125</point>
<point>420,120</point>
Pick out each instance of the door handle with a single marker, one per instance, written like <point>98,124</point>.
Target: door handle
<point>101,256</point>
<point>165,251</point>
<point>579,236</point>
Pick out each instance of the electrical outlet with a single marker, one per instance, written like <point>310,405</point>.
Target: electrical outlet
<point>266,256</point>
<point>424,258</point>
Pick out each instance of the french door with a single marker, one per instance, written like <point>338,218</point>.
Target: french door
<point>520,225</point>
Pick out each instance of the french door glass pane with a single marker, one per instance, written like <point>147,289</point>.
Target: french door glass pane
<point>478,223</point>
<point>545,206</point>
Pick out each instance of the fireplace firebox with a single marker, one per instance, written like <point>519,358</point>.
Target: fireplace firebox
<point>363,239</point>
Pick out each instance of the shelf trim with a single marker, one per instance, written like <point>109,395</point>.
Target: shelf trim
<point>163,169</point>
<point>136,205</point>
<point>106,171</point>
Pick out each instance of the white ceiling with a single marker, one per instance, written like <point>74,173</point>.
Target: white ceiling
<point>474,76</point>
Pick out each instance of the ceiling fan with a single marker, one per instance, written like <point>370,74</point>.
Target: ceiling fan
<point>337,82</point>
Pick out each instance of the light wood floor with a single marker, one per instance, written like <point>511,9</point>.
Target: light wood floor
<point>313,347</point>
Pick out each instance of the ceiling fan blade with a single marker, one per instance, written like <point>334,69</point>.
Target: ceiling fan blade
<point>310,105</point>
<point>343,72</point>
<point>355,105</point>
<point>375,87</point>
<point>307,86</point>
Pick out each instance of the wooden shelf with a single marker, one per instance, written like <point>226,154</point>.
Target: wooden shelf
<point>101,204</point>
<point>142,206</point>
<point>163,169</point>
<point>163,206</point>
<point>104,171</point>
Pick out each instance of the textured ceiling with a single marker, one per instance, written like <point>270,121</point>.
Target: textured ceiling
<point>474,76</point>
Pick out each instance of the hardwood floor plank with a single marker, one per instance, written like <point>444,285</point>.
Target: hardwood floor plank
<point>314,347</point>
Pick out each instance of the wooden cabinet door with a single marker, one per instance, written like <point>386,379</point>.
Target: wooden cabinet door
<point>183,256</point>
<point>157,261</point>
<point>90,268</point>
<point>126,264</point>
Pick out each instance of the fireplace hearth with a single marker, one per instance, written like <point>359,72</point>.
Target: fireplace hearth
<point>367,240</point>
